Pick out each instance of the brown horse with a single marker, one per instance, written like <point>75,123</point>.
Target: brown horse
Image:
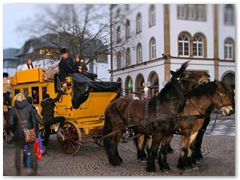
<point>214,94</point>
<point>197,154</point>
<point>154,117</point>
<point>200,102</point>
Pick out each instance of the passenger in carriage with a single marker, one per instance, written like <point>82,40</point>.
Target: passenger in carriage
<point>47,112</point>
<point>67,65</point>
<point>83,67</point>
<point>28,65</point>
<point>77,60</point>
<point>35,96</point>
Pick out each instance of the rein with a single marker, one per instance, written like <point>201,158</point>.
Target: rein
<point>158,117</point>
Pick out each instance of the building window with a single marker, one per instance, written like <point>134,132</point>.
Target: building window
<point>198,46</point>
<point>191,11</point>
<point>118,13</point>
<point>119,65</point>
<point>153,49</point>
<point>128,30</point>
<point>139,53</point>
<point>118,34</point>
<point>200,12</point>
<point>229,15</point>
<point>228,49</point>
<point>181,11</point>
<point>152,16</point>
<point>183,45</point>
<point>127,7</point>
<point>128,57</point>
<point>139,23</point>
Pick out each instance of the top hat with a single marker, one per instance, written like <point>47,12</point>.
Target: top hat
<point>5,74</point>
<point>63,50</point>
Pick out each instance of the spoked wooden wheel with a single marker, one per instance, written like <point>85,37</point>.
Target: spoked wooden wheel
<point>73,136</point>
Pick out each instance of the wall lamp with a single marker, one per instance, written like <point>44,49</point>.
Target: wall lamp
<point>164,56</point>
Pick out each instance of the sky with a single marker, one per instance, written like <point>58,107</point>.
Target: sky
<point>15,13</point>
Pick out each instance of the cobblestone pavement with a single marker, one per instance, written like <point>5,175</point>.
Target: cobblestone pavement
<point>218,150</point>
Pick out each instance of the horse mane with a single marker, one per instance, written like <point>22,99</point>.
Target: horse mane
<point>204,90</point>
<point>168,88</point>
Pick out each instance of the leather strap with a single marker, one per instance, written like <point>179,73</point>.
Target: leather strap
<point>19,118</point>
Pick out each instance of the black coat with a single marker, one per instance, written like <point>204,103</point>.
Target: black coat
<point>48,105</point>
<point>28,117</point>
<point>67,66</point>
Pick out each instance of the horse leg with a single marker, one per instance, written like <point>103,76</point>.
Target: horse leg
<point>110,144</point>
<point>140,143</point>
<point>152,150</point>
<point>197,155</point>
<point>162,159</point>
<point>186,151</point>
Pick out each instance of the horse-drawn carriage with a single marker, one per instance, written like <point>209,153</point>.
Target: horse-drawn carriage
<point>83,104</point>
<point>95,112</point>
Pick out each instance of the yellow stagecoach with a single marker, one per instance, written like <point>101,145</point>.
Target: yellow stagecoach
<point>83,104</point>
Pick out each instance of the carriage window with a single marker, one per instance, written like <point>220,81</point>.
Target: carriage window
<point>25,92</point>
<point>44,92</point>
<point>35,95</point>
<point>16,91</point>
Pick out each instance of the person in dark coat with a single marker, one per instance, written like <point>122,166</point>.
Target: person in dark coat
<point>47,112</point>
<point>6,87</point>
<point>27,114</point>
<point>67,65</point>
<point>39,119</point>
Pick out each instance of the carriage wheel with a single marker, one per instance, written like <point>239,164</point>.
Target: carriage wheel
<point>73,136</point>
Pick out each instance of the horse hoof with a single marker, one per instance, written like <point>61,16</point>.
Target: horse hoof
<point>165,168</point>
<point>151,170</point>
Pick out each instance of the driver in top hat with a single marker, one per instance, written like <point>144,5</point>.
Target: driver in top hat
<point>66,65</point>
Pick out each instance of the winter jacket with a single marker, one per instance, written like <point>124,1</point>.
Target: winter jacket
<point>48,105</point>
<point>39,119</point>
<point>67,66</point>
<point>28,117</point>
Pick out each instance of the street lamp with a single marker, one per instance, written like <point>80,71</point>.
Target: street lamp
<point>146,92</point>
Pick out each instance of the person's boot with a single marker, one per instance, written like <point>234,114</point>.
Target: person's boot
<point>18,168</point>
<point>44,150</point>
<point>60,133</point>
<point>34,167</point>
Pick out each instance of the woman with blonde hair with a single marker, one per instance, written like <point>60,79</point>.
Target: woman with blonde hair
<point>29,120</point>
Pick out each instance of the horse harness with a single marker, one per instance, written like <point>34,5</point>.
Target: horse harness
<point>146,120</point>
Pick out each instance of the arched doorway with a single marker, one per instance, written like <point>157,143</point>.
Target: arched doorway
<point>120,80</point>
<point>153,84</point>
<point>229,78</point>
<point>140,86</point>
<point>129,87</point>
